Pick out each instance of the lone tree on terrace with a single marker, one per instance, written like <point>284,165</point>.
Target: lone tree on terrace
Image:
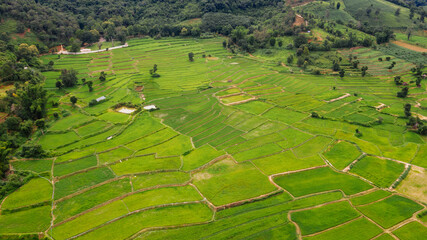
<point>342,73</point>
<point>73,100</point>
<point>191,57</point>
<point>103,76</point>
<point>68,77</point>
<point>407,109</point>
<point>90,84</point>
<point>153,72</point>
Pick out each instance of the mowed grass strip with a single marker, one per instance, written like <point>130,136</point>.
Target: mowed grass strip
<point>324,217</point>
<point>80,181</point>
<point>320,180</point>
<point>225,182</point>
<point>360,229</point>
<point>390,211</point>
<point>381,172</point>
<point>342,154</point>
<point>35,191</point>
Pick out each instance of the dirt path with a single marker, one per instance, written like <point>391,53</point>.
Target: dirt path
<point>339,98</point>
<point>65,52</point>
<point>410,46</point>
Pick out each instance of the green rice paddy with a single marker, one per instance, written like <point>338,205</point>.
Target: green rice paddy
<point>231,153</point>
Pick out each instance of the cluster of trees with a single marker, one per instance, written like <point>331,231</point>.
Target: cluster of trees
<point>25,104</point>
<point>414,122</point>
<point>51,26</point>
<point>17,62</point>
<point>63,22</point>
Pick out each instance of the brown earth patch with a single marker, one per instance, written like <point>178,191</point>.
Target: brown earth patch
<point>296,3</point>
<point>299,20</point>
<point>22,35</point>
<point>410,46</point>
<point>139,88</point>
<point>415,184</point>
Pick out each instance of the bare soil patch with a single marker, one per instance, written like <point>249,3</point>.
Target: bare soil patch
<point>139,88</point>
<point>415,184</point>
<point>410,46</point>
<point>299,20</point>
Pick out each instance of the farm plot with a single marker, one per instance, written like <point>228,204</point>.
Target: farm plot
<point>319,219</point>
<point>370,230</point>
<point>37,166</point>
<point>197,168</point>
<point>390,211</point>
<point>342,154</point>
<point>37,190</point>
<point>412,230</point>
<point>380,171</point>
<point>320,180</point>
<point>225,182</point>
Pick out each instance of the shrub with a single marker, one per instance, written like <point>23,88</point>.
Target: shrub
<point>315,115</point>
<point>12,123</point>
<point>93,102</point>
<point>403,176</point>
<point>26,128</point>
<point>32,151</point>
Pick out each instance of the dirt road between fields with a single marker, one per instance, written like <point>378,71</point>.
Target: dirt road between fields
<point>410,46</point>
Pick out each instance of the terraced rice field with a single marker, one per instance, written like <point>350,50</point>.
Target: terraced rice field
<point>231,152</point>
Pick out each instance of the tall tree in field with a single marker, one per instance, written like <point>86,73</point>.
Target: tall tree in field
<point>342,73</point>
<point>102,76</point>
<point>364,69</point>
<point>90,84</point>
<point>32,100</point>
<point>191,57</point>
<point>73,100</point>
<point>68,77</point>
<point>407,109</point>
